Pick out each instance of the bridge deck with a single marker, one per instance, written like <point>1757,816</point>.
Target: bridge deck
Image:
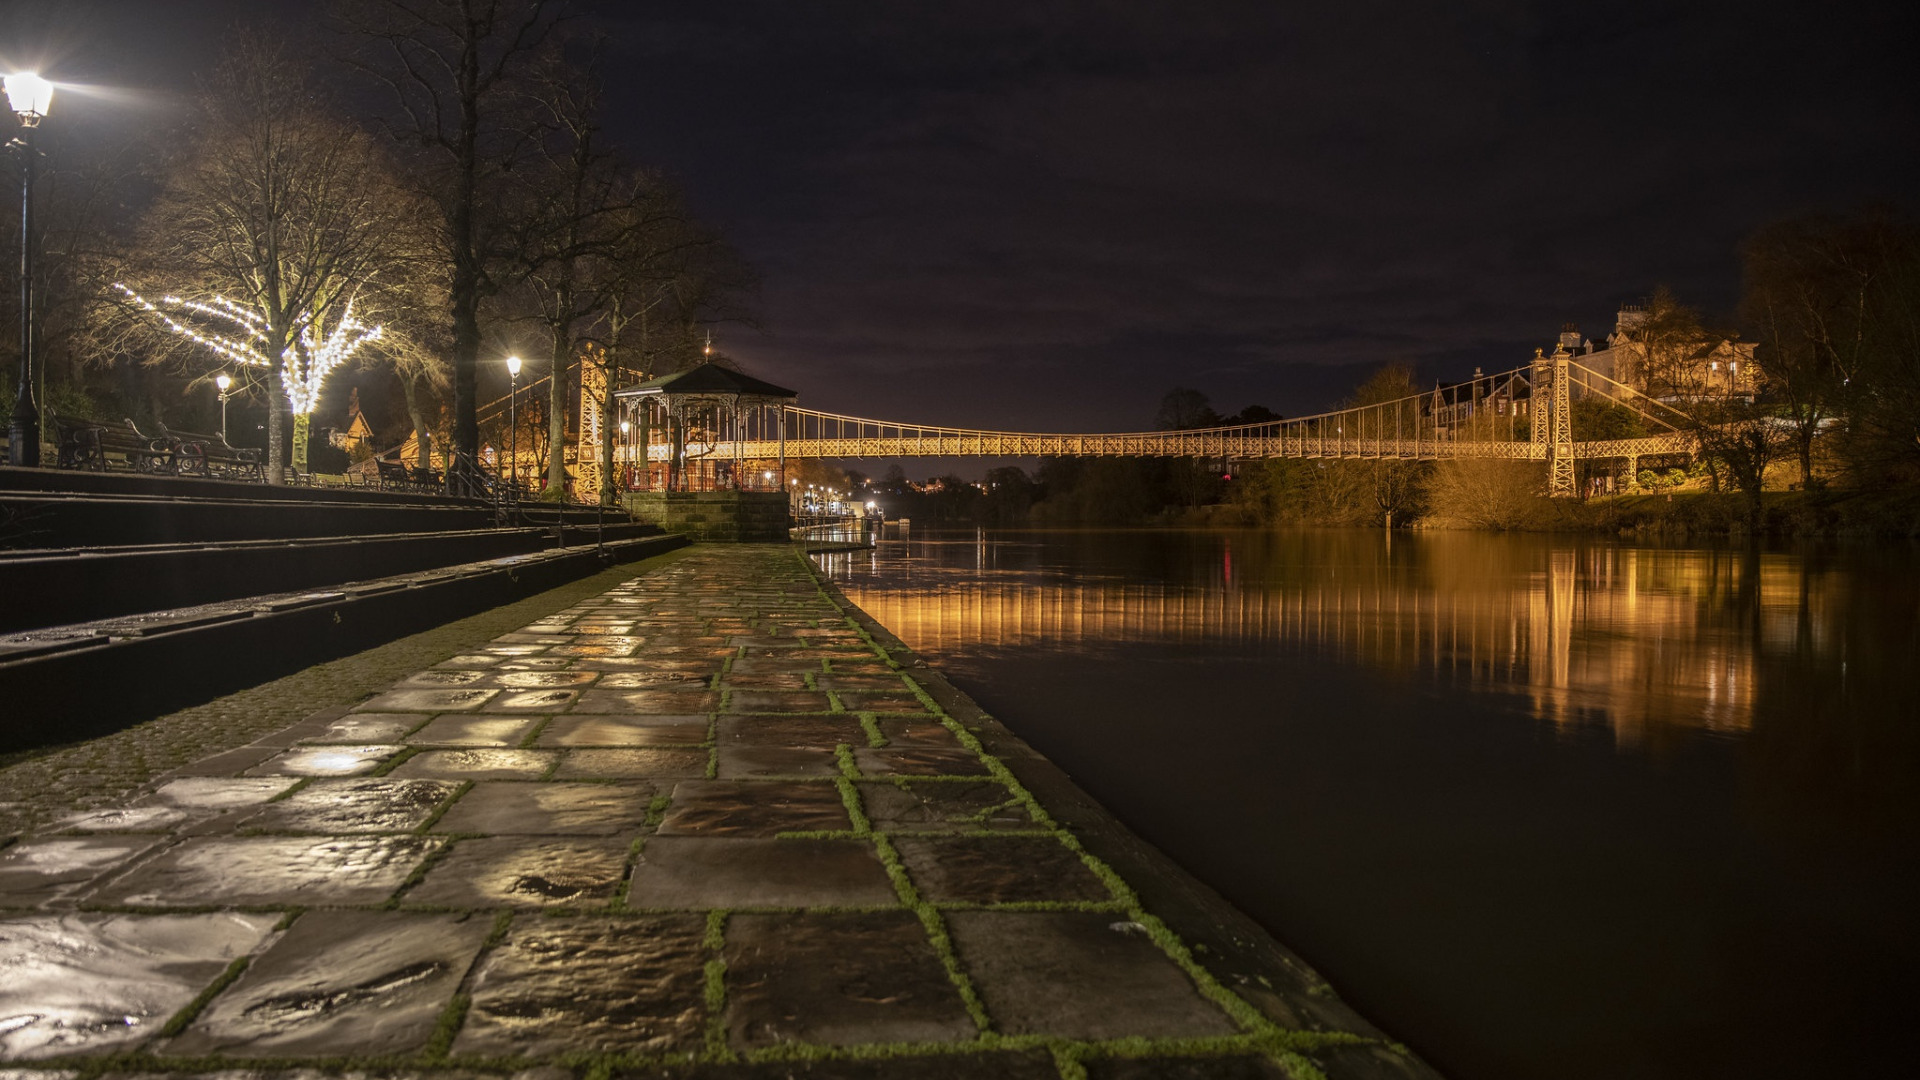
<point>775,835</point>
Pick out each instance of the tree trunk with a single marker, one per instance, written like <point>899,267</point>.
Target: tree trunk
<point>416,415</point>
<point>557,387</point>
<point>609,423</point>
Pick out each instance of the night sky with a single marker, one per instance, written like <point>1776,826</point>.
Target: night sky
<point>1044,216</point>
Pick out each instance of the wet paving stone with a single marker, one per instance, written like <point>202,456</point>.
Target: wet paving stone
<point>997,870</point>
<point>342,983</point>
<point>596,764</point>
<point>441,678</point>
<point>269,870</point>
<point>880,701</point>
<point>483,764</point>
<point>503,872</point>
<point>777,701</point>
<point>35,872</point>
<point>569,985</point>
<point>366,728</point>
<point>748,762</point>
<point>918,761</point>
<point>533,701</point>
<point>1231,1067</point>
<point>753,808</point>
<point>903,734</point>
<point>469,730</point>
<point>816,731</point>
<point>101,982</point>
<point>331,807</point>
<point>648,702</point>
<point>695,677</point>
<point>550,809</point>
<point>915,805</point>
<point>130,819</point>
<point>1082,975</point>
<point>326,761</point>
<point>429,701</point>
<point>218,793</point>
<point>545,680</point>
<point>838,978</point>
<point>967,1064</point>
<point>618,731</point>
<point>685,872</point>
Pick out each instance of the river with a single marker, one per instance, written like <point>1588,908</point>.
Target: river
<point>1538,806</point>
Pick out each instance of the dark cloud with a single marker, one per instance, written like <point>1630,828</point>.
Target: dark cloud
<point>1038,215</point>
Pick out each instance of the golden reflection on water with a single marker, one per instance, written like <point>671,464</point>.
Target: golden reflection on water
<point>1638,638</point>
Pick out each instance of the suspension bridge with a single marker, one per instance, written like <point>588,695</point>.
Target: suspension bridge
<point>1525,414</point>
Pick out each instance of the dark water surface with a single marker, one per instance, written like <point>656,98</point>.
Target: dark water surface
<point>1541,807</point>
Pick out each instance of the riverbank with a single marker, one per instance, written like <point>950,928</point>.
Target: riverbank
<point>710,816</point>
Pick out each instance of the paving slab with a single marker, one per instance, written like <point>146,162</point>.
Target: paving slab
<point>998,870</point>
<point>624,731</point>
<point>261,870</point>
<point>497,808</point>
<point>1083,975</point>
<point>334,807</point>
<point>511,872</point>
<point>636,985</point>
<point>34,872</point>
<point>481,764</point>
<point>765,808</point>
<point>341,983</point>
<point>838,978</point>
<point>623,764</point>
<point>93,982</point>
<point>689,872</point>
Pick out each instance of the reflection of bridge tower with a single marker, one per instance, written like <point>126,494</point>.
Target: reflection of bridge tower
<point>1550,635</point>
<point>1553,425</point>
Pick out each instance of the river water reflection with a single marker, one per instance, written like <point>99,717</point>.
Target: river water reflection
<point>1539,806</point>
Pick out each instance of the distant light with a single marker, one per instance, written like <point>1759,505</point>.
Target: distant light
<point>624,426</point>
<point>513,366</point>
<point>768,474</point>
<point>29,95</point>
<point>222,381</point>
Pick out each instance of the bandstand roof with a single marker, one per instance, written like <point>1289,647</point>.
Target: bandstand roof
<point>709,379</point>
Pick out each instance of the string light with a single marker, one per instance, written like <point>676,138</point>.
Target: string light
<point>308,362</point>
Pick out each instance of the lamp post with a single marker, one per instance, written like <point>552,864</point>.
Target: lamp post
<point>513,422</point>
<point>224,383</point>
<point>29,96</point>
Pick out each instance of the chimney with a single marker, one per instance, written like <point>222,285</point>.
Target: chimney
<point>1569,337</point>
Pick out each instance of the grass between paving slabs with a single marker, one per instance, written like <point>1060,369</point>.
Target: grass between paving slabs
<point>50,783</point>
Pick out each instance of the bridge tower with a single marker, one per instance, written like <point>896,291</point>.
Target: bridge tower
<point>1553,419</point>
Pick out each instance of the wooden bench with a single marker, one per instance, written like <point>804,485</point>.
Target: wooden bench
<point>91,444</point>
<point>199,455</point>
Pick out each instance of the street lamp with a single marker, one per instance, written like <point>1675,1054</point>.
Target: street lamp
<point>29,96</point>
<point>513,421</point>
<point>224,383</point>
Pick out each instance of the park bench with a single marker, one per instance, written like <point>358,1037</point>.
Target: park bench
<point>200,455</point>
<point>393,474</point>
<point>426,479</point>
<point>92,444</point>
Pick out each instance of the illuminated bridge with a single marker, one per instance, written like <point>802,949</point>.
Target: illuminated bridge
<point>1520,415</point>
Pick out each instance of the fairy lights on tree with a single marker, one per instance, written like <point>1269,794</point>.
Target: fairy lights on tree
<point>307,362</point>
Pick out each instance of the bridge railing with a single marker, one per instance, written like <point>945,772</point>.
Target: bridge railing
<point>1490,416</point>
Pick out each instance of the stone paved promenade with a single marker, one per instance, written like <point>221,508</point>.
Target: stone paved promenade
<point>710,823</point>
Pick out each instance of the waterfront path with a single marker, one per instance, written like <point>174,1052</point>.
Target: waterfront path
<point>710,822</point>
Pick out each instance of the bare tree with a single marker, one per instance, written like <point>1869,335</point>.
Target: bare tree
<point>456,75</point>
<point>273,219</point>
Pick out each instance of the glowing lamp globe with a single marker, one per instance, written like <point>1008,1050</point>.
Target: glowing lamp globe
<point>29,95</point>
